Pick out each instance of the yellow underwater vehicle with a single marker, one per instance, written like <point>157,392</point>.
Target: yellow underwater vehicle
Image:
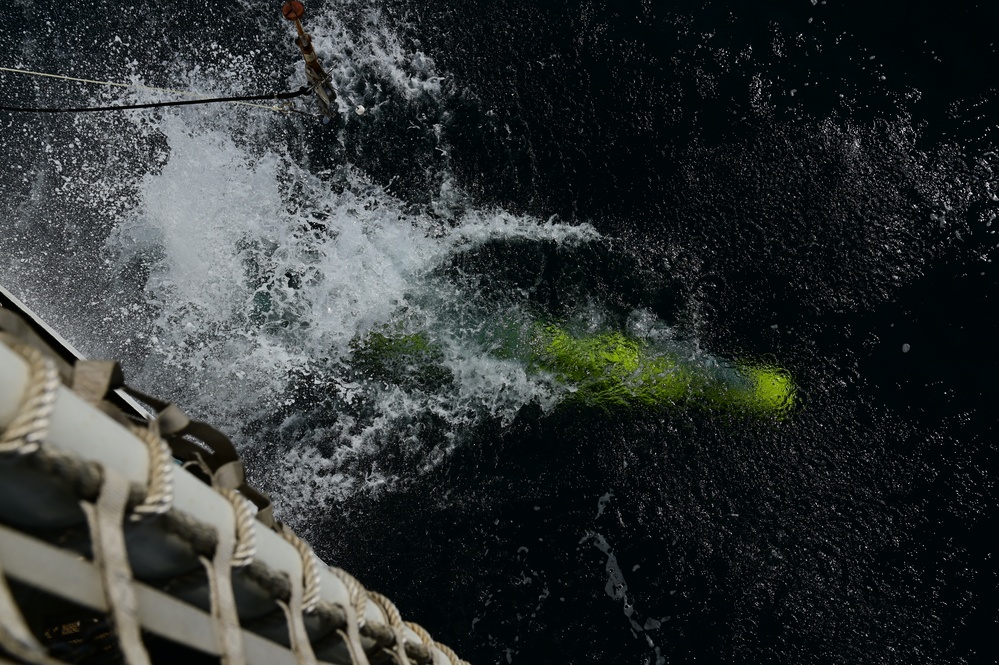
<point>606,370</point>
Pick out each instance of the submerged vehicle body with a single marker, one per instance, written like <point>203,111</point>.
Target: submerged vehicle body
<point>609,370</point>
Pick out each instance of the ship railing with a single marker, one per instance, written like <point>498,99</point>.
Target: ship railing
<point>135,537</point>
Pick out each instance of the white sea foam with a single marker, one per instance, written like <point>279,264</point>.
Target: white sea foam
<point>258,268</point>
<point>364,55</point>
<point>243,279</point>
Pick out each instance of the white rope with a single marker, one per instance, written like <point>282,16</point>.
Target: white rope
<point>356,591</point>
<point>310,569</point>
<point>297,635</point>
<point>351,634</point>
<point>26,432</point>
<point>302,586</point>
<point>106,518</point>
<point>223,600</point>
<point>159,489</point>
<point>246,537</point>
<point>235,547</point>
<point>134,86</point>
<point>15,636</point>
<point>431,643</point>
<point>391,613</point>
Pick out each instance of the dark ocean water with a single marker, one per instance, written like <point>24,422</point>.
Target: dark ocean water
<point>811,184</point>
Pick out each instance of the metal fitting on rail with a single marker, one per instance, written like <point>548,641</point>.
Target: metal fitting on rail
<point>318,78</point>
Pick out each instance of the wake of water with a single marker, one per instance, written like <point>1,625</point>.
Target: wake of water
<point>235,272</point>
<point>241,263</point>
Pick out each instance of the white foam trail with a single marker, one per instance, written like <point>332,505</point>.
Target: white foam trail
<point>479,226</point>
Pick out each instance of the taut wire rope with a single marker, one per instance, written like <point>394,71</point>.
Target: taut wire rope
<point>198,98</point>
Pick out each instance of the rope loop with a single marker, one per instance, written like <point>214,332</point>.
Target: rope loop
<point>246,537</point>
<point>159,491</point>
<point>431,643</point>
<point>30,426</point>
<point>109,500</point>
<point>391,613</point>
<point>310,570</point>
<point>357,592</point>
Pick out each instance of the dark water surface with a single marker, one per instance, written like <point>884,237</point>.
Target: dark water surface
<point>808,161</point>
<point>810,184</point>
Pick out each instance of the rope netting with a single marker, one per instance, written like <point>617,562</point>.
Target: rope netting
<point>227,571</point>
